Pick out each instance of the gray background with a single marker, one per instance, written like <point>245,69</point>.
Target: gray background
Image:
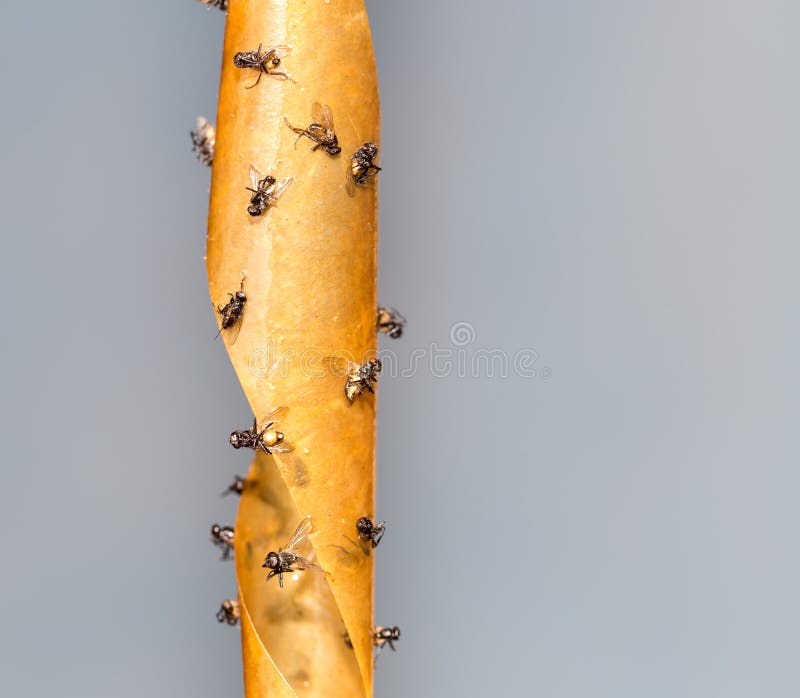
<point>612,184</point>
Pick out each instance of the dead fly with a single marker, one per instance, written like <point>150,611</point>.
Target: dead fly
<point>232,311</point>
<point>362,166</point>
<point>203,141</point>
<point>222,537</point>
<point>221,4</point>
<point>370,532</point>
<point>265,63</point>
<point>391,322</point>
<point>384,636</point>
<point>360,377</point>
<point>263,438</point>
<point>320,130</point>
<point>229,612</point>
<point>266,191</point>
<point>286,559</point>
<point>237,486</point>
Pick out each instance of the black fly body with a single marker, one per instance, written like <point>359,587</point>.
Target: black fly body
<point>362,166</point>
<point>266,191</point>
<point>231,313</point>
<point>265,63</point>
<point>222,537</point>
<point>204,139</point>
<point>263,438</point>
<point>321,131</point>
<point>236,487</point>
<point>286,560</point>
<point>385,636</point>
<point>229,612</point>
<point>360,378</point>
<point>390,322</point>
<point>370,532</point>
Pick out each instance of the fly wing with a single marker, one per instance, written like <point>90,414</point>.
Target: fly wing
<point>342,367</point>
<point>351,180</point>
<point>299,535</point>
<point>378,532</point>
<point>231,333</point>
<point>397,317</point>
<point>283,447</point>
<point>205,130</point>
<point>352,389</point>
<point>302,564</point>
<point>327,117</point>
<point>322,115</point>
<point>274,416</point>
<point>256,176</point>
<point>280,187</point>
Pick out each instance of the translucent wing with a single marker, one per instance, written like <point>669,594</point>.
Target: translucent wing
<point>380,529</point>
<point>351,180</point>
<point>274,416</point>
<point>327,117</point>
<point>231,334</point>
<point>281,187</point>
<point>256,175</point>
<point>397,317</point>
<point>283,447</point>
<point>337,365</point>
<point>342,367</point>
<point>282,50</point>
<point>205,130</point>
<point>323,115</point>
<point>302,564</point>
<point>299,535</point>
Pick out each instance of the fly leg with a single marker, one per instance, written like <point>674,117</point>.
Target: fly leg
<point>258,80</point>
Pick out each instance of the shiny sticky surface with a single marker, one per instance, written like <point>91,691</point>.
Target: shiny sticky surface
<point>311,285</point>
